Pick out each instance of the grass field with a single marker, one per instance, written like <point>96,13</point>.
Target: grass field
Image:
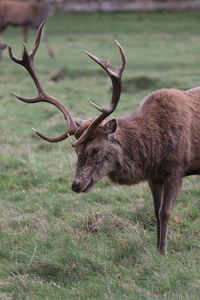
<point>47,247</point>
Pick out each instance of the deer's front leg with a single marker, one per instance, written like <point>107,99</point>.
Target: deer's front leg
<point>50,52</point>
<point>2,47</point>
<point>25,34</point>
<point>157,192</point>
<point>170,192</point>
<point>2,27</point>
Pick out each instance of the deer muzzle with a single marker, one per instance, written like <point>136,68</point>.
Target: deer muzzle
<point>78,187</point>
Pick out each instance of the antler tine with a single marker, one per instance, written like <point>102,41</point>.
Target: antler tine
<point>107,66</point>
<point>27,62</point>
<point>60,138</point>
<point>37,41</point>
<point>123,57</point>
<point>26,57</point>
<point>115,75</point>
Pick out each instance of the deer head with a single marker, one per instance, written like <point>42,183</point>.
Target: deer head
<point>95,145</point>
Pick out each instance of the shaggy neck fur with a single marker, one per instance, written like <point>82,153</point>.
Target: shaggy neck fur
<point>133,156</point>
<point>154,140</point>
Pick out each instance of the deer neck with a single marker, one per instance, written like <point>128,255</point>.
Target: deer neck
<point>133,160</point>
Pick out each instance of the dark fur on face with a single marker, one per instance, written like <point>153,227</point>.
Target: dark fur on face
<point>95,157</point>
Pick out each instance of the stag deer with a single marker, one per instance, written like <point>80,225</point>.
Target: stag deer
<point>159,143</point>
<point>26,15</point>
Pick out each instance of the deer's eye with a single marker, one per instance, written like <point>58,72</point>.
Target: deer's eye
<point>94,151</point>
<point>82,159</point>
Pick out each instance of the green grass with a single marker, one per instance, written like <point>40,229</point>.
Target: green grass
<point>48,249</point>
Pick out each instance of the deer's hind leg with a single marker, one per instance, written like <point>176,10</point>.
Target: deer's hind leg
<point>157,192</point>
<point>170,192</point>
<point>46,41</point>
<point>50,51</point>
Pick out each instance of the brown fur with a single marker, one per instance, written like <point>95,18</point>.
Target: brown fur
<point>25,15</point>
<point>159,143</point>
<point>19,13</point>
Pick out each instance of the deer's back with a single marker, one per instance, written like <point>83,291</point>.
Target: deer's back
<point>164,133</point>
<point>16,12</point>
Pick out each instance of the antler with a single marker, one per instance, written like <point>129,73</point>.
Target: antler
<point>27,62</point>
<point>115,75</point>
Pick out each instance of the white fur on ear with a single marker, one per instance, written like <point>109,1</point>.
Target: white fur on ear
<point>110,126</point>
<point>78,121</point>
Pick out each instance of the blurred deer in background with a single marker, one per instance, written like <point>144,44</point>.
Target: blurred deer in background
<point>2,47</point>
<point>158,143</point>
<point>26,15</point>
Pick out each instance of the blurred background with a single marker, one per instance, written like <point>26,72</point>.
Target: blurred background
<point>125,5</point>
<point>114,5</point>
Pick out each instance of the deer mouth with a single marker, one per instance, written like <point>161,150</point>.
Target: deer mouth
<point>88,186</point>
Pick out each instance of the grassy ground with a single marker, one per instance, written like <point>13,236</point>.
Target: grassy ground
<point>48,249</point>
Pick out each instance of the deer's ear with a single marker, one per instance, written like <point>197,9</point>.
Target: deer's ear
<point>109,127</point>
<point>78,121</point>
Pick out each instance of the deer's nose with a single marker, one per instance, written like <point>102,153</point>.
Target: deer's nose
<point>76,187</point>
